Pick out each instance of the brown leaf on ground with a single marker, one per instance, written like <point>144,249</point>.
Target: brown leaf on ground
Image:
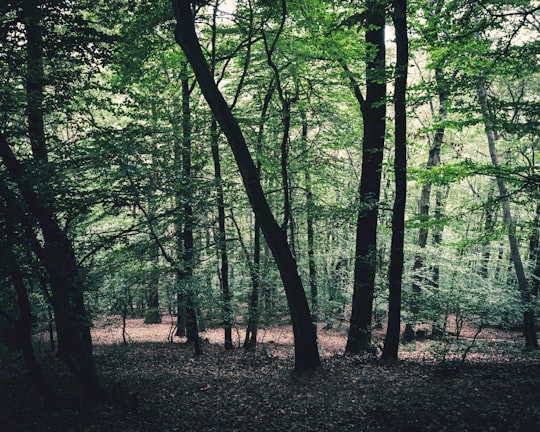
<point>154,385</point>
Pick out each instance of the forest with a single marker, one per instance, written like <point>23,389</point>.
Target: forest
<point>273,215</point>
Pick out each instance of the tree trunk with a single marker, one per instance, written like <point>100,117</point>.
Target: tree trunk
<point>250,341</point>
<point>72,322</point>
<point>306,350</point>
<point>531,339</point>
<point>310,234</point>
<point>425,196</point>
<point>153,313</point>
<point>534,254</point>
<point>24,323</point>
<point>374,116</point>
<point>222,241</point>
<point>58,258</point>
<point>488,227</point>
<point>188,251</point>
<point>391,342</point>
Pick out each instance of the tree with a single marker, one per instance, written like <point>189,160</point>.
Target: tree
<point>529,324</point>
<point>306,350</point>
<point>391,342</point>
<point>37,190</point>
<point>22,324</point>
<point>433,160</point>
<point>373,109</point>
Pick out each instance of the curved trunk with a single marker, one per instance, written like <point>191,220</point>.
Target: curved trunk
<point>306,350</point>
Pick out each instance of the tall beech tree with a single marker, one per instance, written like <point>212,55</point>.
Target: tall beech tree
<point>58,258</point>
<point>305,341</point>
<point>36,178</point>
<point>373,108</point>
<point>391,342</point>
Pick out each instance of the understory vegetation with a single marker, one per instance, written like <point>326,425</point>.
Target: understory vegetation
<point>269,215</point>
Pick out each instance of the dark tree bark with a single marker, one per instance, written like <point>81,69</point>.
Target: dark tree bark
<point>424,201</point>
<point>221,237</point>
<point>72,322</point>
<point>374,120</point>
<point>306,350</point>
<point>391,342</point>
<point>286,103</point>
<point>153,312</point>
<point>23,324</point>
<point>58,258</point>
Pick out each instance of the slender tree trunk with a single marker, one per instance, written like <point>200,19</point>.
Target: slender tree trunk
<point>488,227</point>
<point>391,342</point>
<point>306,350</point>
<point>425,196</point>
<point>153,313</point>
<point>437,234</point>
<point>534,255</point>
<point>250,341</point>
<point>310,234</point>
<point>374,116</point>
<point>531,339</point>
<point>222,240</point>
<point>188,249</point>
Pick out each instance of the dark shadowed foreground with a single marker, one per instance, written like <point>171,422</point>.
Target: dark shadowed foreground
<point>160,386</point>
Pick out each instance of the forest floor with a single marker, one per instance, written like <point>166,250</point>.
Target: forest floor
<point>156,385</point>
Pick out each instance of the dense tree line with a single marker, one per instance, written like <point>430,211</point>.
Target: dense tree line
<point>209,160</point>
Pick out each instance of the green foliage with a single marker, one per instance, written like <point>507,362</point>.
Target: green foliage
<point>114,123</point>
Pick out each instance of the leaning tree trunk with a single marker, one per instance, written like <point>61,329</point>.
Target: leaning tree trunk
<point>374,115</point>
<point>58,258</point>
<point>305,341</point>
<point>72,321</point>
<point>531,339</point>
<point>391,341</point>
